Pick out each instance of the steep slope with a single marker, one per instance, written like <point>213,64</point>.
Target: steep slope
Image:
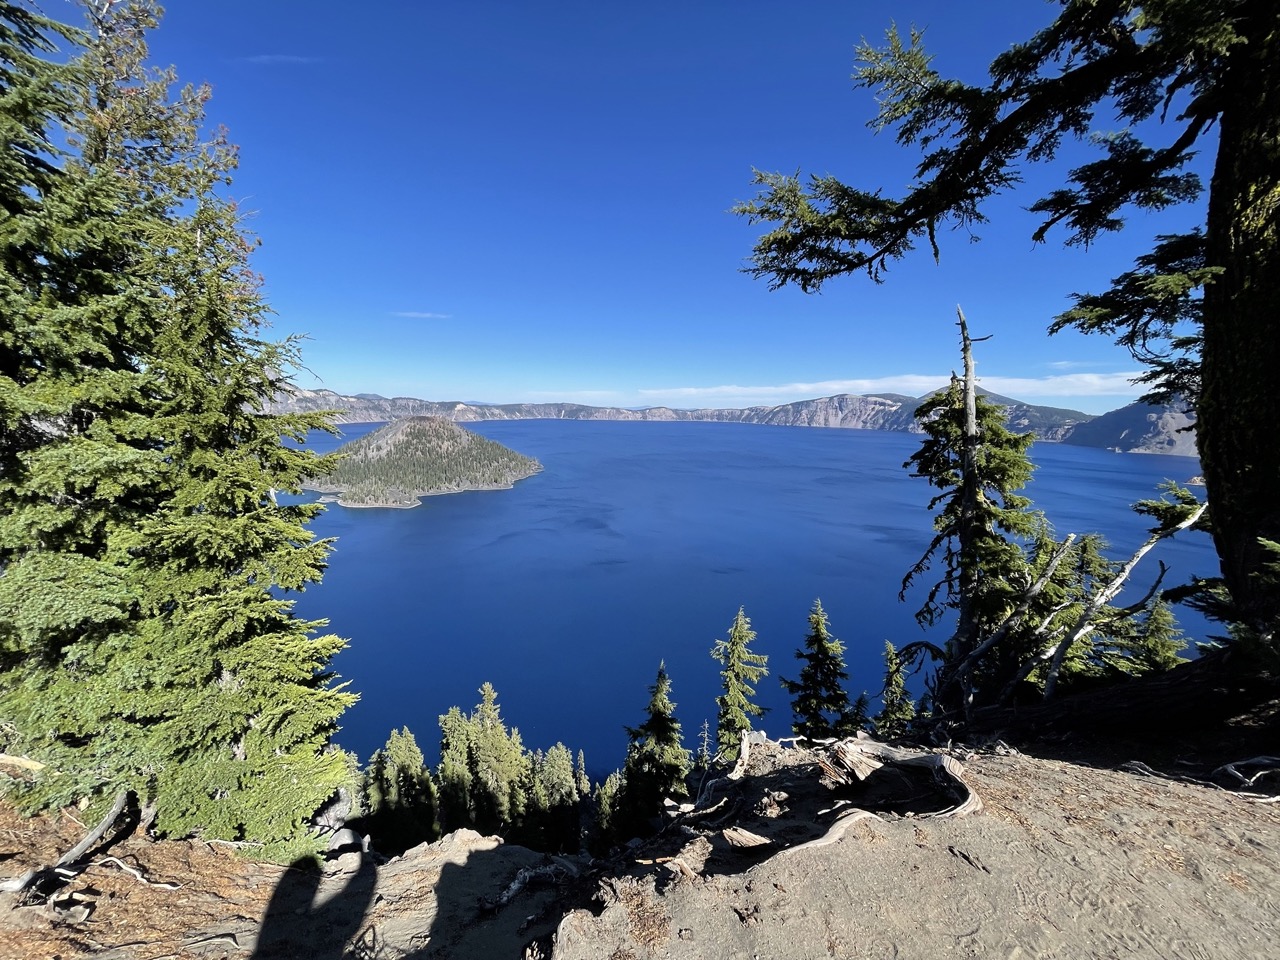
<point>1140,428</point>
<point>1063,860</point>
<point>419,456</point>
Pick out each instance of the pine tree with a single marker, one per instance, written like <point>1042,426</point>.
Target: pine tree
<point>978,464</point>
<point>551,816</point>
<point>143,483</point>
<point>1198,309</point>
<point>580,776</point>
<point>897,710</point>
<point>1158,640</point>
<point>606,829</point>
<point>497,763</point>
<point>741,669</point>
<point>400,794</point>
<point>657,764</point>
<point>454,772</point>
<point>857,718</point>
<point>820,704</point>
<point>703,757</point>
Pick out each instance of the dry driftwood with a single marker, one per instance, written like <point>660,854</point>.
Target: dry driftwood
<point>861,756</point>
<point>1264,765</point>
<point>66,867</point>
<point>737,837</point>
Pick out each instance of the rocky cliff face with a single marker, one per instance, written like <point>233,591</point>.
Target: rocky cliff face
<point>1140,428</point>
<point>1137,428</point>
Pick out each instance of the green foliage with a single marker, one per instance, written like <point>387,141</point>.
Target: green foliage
<point>742,668</point>
<point>606,827</point>
<point>489,782</point>
<point>137,471</point>
<point>420,455</point>
<point>656,767</point>
<point>454,772</point>
<point>1199,309</point>
<point>897,710</point>
<point>400,795</point>
<point>980,524</point>
<point>1029,609</point>
<point>581,780</point>
<point>552,809</point>
<point>980,555</point>
<point>820,703</point>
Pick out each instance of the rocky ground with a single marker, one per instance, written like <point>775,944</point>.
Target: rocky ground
<point>1065,859</point>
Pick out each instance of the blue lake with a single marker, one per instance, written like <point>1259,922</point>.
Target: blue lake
<point>636,544</point>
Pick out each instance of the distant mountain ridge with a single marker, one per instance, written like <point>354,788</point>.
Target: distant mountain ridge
<point>1136,428</point>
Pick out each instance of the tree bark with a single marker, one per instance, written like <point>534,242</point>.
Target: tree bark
<point>1238,428</point>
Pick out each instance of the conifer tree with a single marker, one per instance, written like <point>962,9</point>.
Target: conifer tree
<point>897,709</point>
<point>580,776</point>
<point>400,794</point>
<point>140,472</point>
<point>551,814</point>
<point>979,466</point>
<point>857,718</point>
<point>742,668</point>
<point>497,762</point>
<point>820,703</point>
<point>657,763</point>
<point>1174,78</point>
<point>606,828</point>
<point>703,756</point>
<point>454,773</point>
<point>1158,639</point>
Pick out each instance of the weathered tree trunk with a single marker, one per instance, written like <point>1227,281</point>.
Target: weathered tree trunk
<point>1238,413</point>
<point>953,687</point>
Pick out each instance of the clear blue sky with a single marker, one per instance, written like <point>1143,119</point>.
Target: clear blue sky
<point>529,201</point>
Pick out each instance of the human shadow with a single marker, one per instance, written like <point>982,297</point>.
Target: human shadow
<point>313,913</point>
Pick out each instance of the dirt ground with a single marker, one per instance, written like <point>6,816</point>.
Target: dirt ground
<point>1066,860</point>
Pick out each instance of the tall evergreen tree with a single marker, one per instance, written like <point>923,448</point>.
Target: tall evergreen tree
<point>498,762</point>
<point>820,702</point>
<point>978,465</point>
<point>454,773</point>
<point>1199,309</point>
<point>551,814</point>
<point>657,764</point>
<point>896,708</point>
<point>166,661</point>
<point>606,828</point>
<point>400,795</point>
<point>742,668</point>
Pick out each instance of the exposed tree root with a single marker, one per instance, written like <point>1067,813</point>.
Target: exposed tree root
<point>68,865</point>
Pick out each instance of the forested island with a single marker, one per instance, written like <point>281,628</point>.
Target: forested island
<point>416,457</point>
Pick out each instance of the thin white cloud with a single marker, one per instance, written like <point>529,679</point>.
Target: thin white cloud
<point>274,59</point>
<point>421,315</point>
<point>1067,385</point>
<point>911,384</point>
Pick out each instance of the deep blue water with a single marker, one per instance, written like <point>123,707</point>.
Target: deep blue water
<point>637,543</point>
